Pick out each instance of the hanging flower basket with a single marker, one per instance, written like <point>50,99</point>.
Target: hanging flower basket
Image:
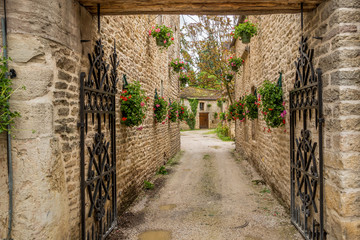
<point>133,105</point>
<point>173,111</point>
<point>251,105</point>
<point>236,111</point>
<point>245,31</point>
<point>177,65</point>
<point>235,63</point>
<point>229,77</point>
<point>160,109</point>
<point>272,105</point>
<point>184,79</point>
<point>163,35</point>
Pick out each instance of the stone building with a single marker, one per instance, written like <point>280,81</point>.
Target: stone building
<point>207,107</point>
<point>49,43</point>
<point>333,29</point>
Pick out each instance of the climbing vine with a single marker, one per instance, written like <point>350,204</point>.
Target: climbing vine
<point>191,119</point>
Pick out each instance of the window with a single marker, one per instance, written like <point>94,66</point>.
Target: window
<point>202,106</point>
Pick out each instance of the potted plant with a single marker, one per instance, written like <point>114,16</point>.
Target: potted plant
<point>177,65</point>
<point>229,77</point>
<point>215,115</point>
<point>173,111</point>
<point>184,79</point>
<point>163,35</point>
<point>133,105</point>
<point>235,63</point>
<point>272,104</point>
<point>251,105</point>
<point>160,109</point>
<point>236,111</point>
<point>245,31</point>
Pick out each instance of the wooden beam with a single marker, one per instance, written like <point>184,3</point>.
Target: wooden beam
<point>238,7</point>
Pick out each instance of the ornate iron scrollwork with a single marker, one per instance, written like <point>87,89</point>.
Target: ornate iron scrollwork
<point>306,155</point>
<point>98,151</point>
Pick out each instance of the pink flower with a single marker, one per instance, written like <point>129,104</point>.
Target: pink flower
<point>283,114</point>
<point>157,30</point>
<point>164,41</point>
<point>142,104</point>
<point>150,32</point>
<point>176,62</point>
<point>140,128</point>
<point>283,103</point>
<point>153,27</point>
<point>246,20</point>
<point>163,122</point>
<point>168,34</point>
<point>157,105</point>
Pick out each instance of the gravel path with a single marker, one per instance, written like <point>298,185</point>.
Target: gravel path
<point>209,196</point>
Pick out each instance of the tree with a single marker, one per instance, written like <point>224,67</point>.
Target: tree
<point>205,45</point>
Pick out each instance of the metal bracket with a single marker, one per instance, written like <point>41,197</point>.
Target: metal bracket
<point>12,73</point>
<point>318,38</point>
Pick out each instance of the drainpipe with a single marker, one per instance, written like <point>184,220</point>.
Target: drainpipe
<point>9,157</point>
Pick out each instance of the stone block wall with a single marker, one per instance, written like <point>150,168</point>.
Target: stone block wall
<point>338,55</point>
<point>48,56</point>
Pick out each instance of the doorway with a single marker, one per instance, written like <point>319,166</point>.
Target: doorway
<point>204,120</point>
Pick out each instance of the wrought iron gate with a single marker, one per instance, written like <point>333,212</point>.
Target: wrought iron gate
<point>306,142</point>
<point>98,148</point>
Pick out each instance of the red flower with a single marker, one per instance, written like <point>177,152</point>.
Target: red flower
<point>284,121</point>
<point>125,99</point>
<point>172,38</point>
<point>124,119</point>
<point>129,96</point>
<point>270,109</point>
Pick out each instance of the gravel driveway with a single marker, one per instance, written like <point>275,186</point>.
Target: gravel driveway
<point>209,195</point>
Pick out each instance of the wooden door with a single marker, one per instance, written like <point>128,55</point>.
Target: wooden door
<point>204,120</point>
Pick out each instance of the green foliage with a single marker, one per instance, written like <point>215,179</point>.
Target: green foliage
<point>160,109</point>
<point>191,121</point>
<point>173,111</point>
<point>272,105</point>
<point>183,112</point>
<point>265,190</point>
<point>7,116</point>
<point>162,171</point>
<point>246,28</point>
<point>222,116</point>
<point>251,105</point>
<point>235,63</point>
<point>216,115</point>
<point>148,185</point>
<point>163,34</point>
<point>184,79</point>
<point>133,105</point>
<point>219,103</point>
<point>236,111</point>
<point>177,65</point>
<point>194,105</point>
<point>204,46</point>
<point>223,132</point>
<point>209,105</point>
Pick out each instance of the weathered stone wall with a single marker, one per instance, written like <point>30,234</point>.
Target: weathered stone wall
<point>44,43</point>
<point>276,49</point>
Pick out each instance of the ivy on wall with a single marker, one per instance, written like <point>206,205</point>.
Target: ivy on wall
<point>191,119</point>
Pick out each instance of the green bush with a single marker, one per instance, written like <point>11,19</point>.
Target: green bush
<point>173,111</point>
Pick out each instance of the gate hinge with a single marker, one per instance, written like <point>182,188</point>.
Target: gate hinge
<point>80,125</point>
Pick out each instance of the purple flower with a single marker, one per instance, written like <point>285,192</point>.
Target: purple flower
<point>283,114</point>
